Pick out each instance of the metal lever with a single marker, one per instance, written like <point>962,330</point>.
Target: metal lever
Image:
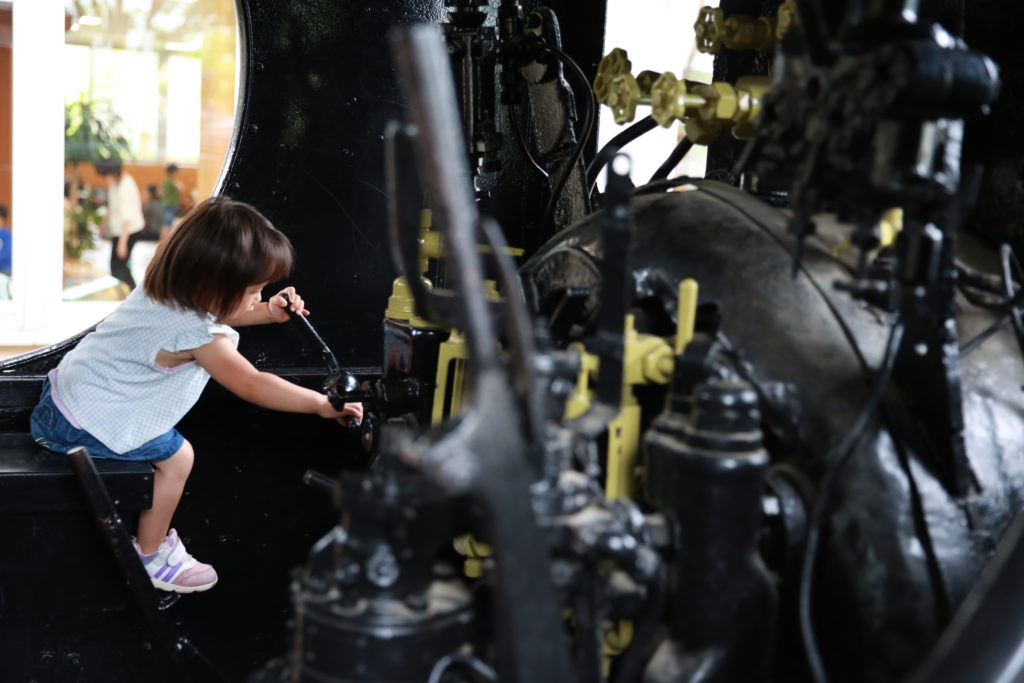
<point>337,378</point>
<point>332,362</point>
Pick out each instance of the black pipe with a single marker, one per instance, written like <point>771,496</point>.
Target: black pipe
<point>678,153</point>
<point>612,147</point>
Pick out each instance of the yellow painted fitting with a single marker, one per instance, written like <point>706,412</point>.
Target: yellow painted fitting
<point>665,365</point>
<point>491,290</point>
<point>623,448</point>
<point>624,430</point>
<point>451,358</point>
<point>511,251</point>
<point>890,226</point>
<point>658,359</point>
<point>686,314</point>
<point>581,397</point>
<point>613,64</point>
<point>402,306</point>
<point>431,245</point>
<point>475,552</point>
<point>435,248</point>
<point>618,637</point>
<point>786,18</point>
<point>644,356</point>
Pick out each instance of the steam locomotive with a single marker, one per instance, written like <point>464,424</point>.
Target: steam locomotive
<point>761,425</point>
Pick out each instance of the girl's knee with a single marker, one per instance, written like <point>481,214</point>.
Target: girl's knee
<point>179,464</point>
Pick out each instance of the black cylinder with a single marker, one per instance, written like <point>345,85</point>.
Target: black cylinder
<point>706,474</point>
<point>368,606</point>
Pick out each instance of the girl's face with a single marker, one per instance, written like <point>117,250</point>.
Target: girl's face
<point>252,296</point>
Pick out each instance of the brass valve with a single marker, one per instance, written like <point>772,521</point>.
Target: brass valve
<point>710,30</point>
<point>623,97</point>
<point>741,32</point>
<point>785,18</point>
<point>706,109</point>
<point>646,79</point>
<point>671,99</point>
<point>616,87</point>
<point>615,63</point>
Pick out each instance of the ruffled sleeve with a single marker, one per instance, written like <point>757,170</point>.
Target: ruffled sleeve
<point>202,334</point>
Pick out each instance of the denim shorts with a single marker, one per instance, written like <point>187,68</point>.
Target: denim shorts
<point>52,430</point>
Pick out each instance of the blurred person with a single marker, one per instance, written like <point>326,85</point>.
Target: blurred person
<point>5,242</point>
<point>171,194</point>
<point>152,213</point>
<point>125,221</point>
<point>5,255</point>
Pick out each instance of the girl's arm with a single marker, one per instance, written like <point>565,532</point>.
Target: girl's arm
<point>231,369</point>
<point>272,311</point>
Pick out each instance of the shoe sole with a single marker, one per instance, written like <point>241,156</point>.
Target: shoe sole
<point>174,588</point>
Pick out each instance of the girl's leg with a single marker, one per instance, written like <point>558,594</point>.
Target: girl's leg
<point>168,485</point>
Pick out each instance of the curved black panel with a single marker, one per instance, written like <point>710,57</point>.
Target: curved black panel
<point>319,90</point>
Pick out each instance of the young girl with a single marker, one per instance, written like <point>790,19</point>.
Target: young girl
<point>124,387</point>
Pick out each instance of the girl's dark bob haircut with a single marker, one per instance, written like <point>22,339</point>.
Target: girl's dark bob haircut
<point>221,248</point>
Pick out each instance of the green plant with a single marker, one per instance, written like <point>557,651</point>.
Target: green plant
<point>80,217</point>
<point>92,133</point>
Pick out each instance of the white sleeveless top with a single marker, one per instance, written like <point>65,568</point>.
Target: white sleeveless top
<point>111,384</point>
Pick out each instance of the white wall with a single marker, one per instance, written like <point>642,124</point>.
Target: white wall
<point>658,35</point>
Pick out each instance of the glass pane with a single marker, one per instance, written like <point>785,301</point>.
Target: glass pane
<point>149,107</point>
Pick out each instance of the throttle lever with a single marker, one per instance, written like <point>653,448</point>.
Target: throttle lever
<point>332,361</point>
<point>337,377</point>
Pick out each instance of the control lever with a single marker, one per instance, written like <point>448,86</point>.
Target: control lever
<point>332,362</point>
<point>337,379</point>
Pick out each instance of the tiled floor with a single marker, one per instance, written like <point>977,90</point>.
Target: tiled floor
<point>10,351</point>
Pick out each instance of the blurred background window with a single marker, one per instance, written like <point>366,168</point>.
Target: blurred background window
<point>147,83</point>
<point>665,45</point>
<point>154,84</point>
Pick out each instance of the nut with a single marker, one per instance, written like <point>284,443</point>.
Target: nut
<point>722,103</point>
<point>701,132</point>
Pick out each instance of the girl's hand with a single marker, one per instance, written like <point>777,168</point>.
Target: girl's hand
<point>279,307</point>
<point>350,410</point>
